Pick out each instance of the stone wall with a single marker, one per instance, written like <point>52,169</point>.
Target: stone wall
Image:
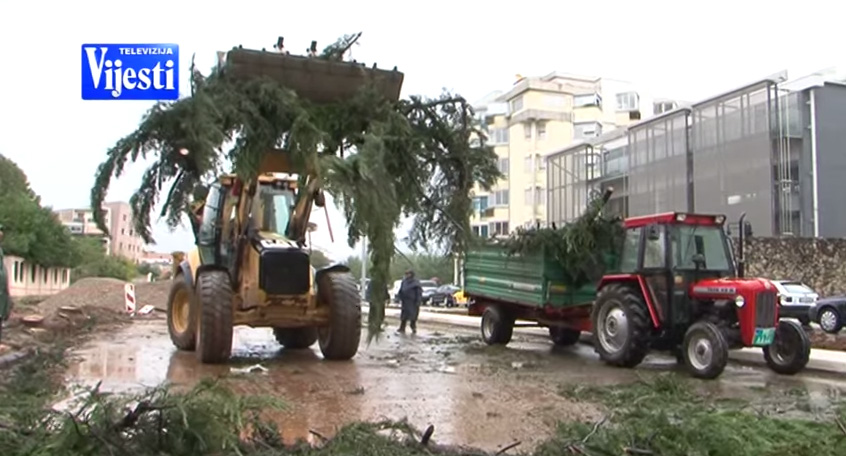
<point>819,263</point>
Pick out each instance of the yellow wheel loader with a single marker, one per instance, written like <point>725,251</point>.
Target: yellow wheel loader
<point>250,265</point>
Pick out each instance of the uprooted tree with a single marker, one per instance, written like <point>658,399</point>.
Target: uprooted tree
<point>379,159</point>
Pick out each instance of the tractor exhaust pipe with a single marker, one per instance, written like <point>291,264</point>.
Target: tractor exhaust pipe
<point>741,261</point>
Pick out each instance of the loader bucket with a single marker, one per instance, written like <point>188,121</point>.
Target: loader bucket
<point>315,79</point>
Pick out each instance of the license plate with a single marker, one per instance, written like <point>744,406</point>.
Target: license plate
<point>763,336</point>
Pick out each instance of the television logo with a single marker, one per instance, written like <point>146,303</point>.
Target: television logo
<point>130,71</point>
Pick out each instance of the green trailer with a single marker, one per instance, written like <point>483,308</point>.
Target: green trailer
<point>525,287</point>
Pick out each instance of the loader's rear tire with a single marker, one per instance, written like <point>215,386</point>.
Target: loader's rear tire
<point>340,338</point>
<point>182,314</point>
<point>790,351</point>
<point>214,335</point>
<point>705,350</point>
<point>564,337</point>
<point>295,338</point>
<point>497,326</point>
<point>621,325</point>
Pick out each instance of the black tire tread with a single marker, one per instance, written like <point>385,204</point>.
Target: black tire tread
<point>503,327</point>
<point>564,337</point>
<point>344,330</point>
<point>797,364</point>
<point>215,330</point>
<point>295,338</point>
<point>639,325</point>
<point>188,339</point>
<point>720,347</point>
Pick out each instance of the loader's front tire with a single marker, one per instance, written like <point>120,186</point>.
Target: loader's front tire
<point>182,315</point>
<point>214,335</point>
<point>340,338</point>
<point>295,338</point>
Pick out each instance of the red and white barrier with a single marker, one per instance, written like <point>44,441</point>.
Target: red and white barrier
<point>129,294</point>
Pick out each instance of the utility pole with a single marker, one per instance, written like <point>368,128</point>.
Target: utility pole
<point>363,267</point>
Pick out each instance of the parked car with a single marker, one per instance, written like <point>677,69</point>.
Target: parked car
<point>429,287</point>
<point>796,300</point>
<point>444,296</point>
<point>830,313</point>
<point>395,291</point>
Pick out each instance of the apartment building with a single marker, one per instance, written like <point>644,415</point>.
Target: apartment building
<point>122,241</point>
<point>772,149</point>
<point>540,114</point>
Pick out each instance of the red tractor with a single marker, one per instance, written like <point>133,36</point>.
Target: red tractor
<point>679,289</point>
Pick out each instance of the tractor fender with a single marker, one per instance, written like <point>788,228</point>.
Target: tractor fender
<point>185,272</point>
<point>646,291</point>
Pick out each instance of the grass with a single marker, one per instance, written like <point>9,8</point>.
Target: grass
<point>663,416</point>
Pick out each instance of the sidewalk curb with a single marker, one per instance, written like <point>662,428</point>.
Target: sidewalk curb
<point>822,361</point>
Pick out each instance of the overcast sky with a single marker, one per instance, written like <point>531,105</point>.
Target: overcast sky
<point>675,49</point>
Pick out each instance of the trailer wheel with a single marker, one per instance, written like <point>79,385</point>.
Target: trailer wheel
<point>497,326</point>
<point>705,350</point>
<point>790,351</point>
<point>621,326</point>
<point>295,338</point>
<point>564,337</point>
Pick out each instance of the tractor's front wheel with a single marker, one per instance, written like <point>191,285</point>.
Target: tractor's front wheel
<point>790,351</point>
<point>182,315</point>
<point>621,325</point>
<point>295,338</point>
<point>340,338</point>
<point>705,350</point>
<point>214,335</point>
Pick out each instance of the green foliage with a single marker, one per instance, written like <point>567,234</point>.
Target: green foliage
<point>666,417</point>
<point>31,231</point>
<point>581,247</point>
<point>378,159</point>
<point>146,268</point>
<point>94,262</point>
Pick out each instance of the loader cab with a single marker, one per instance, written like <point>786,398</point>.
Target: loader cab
<point>673,251</point>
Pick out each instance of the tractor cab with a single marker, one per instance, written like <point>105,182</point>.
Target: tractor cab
<point>677,288</point>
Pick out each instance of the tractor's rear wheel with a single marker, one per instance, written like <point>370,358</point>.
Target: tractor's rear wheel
<point>340,338</point>
<point>182,314</point>
<point>497,325</point>
<point>705,350</point>
<point>295,338</point>
<point>790,351</point>
<point>621,325</point>
<point>564,337</point>
<point>214,335</point>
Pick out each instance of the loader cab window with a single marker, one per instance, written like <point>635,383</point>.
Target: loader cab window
<point>210,223</point>
<point>704,244</point>
<point>276,205</point>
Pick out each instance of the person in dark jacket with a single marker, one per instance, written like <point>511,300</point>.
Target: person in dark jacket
<point>410,296</point>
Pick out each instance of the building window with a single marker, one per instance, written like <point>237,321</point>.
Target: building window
<point>591,99</point>
<point>480,203</point>
<point>124,217</point>
<point>516,104</point>
<point>554,100</point>
<point>541,130</point>
<point>122,231</point>
<point>480,230</point>
<point>541,162</point>
<point>499,228</point>
<point>529,197</point>
<point>500,198</point>
<point>663,106</point>
<point>527,131</point>
<point>586,130</point>
<point>503,166</point>
<point>527,164</point>
<point>498,136</point>
<point>628,101</point>
<point>541,195</point>
<point>535,196</point>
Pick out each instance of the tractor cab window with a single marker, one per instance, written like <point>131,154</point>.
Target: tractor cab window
<point>275,205</point>
<point>655,248</point>
<point>628,257</point>
<point>702,245</point>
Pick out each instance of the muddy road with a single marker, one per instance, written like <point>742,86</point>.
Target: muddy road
<point>474,394</point>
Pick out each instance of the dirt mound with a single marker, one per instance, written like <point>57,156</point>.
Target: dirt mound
<point>820,339</point>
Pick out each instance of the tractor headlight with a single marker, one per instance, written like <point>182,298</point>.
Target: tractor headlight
<point>739,301</point>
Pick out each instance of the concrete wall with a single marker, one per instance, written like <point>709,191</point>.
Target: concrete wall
<point>819,263</point>
<point>26,279</point>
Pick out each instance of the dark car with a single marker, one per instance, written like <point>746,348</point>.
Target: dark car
<point>830,313</point>
<point>443,296</point>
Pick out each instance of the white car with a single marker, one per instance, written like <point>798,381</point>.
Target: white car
<point>795,300</point>
<point>395,290</point>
